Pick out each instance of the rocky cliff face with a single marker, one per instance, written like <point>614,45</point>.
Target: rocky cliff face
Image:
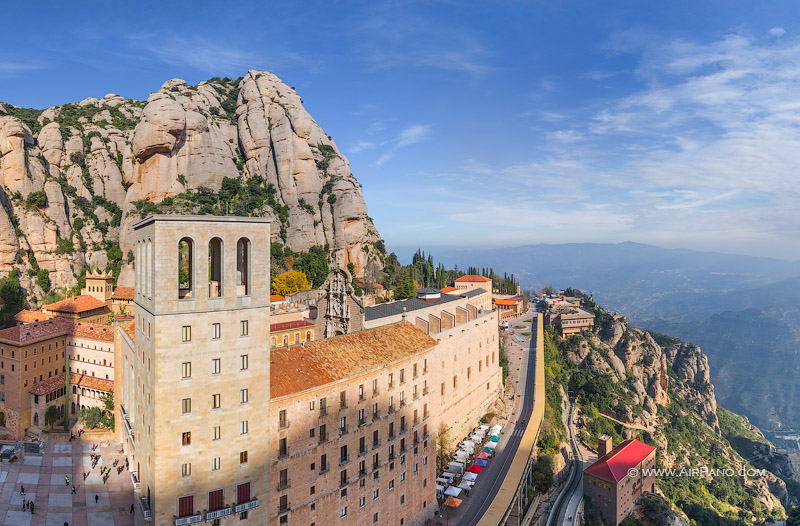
<point>75,178</point>
<point>635,384</point>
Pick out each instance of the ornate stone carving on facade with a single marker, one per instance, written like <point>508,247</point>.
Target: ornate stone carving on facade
<point>336,302</point>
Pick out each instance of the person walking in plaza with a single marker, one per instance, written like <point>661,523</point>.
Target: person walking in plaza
<point>31,508</point>
<point>96,498</point>
<point>131,508</point>
<point>24,504</point>
<point>73,489</point>
<point>66,480</point>
<point>22,490</point>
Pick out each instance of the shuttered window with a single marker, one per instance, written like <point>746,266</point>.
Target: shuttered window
<point>186,506</point>
<point>215,500</point>
<point>243,493</point>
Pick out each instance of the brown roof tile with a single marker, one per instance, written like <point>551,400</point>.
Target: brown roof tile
<point>31,316</point>
<point>32,332</point>
<point>100,384</point>
<point>473,278</point>
<point>49,385</point>
<point>130,330</point>
<point>287,325</point>
<point>75,304</point>
<point>93,330</point>
<point>123,293</point>
<point>296,369</point>
<point>448,290</point>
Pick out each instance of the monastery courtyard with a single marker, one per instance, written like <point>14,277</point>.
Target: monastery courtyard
<point>42,475</point>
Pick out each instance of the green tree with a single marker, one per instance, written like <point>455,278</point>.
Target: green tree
<point>51,415</point>
<point>12,296</point>
<point>44,279</point>
<point>442,456</point>
<point>107,416</point>
<point>314,264</point>
<point>36,200</point>
<point>90,417</point>
<point>405,289</point>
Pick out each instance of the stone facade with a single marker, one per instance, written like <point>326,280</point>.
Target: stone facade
<point>392,414</point>
<point>29,354</point>
<point>614,484</point>
<point>195,385</point>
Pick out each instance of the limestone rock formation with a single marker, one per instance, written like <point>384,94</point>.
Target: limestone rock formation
<point>103,164</point>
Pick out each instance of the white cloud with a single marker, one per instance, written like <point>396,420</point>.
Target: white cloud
<point>777,32</point>
<point>413,134</point>
<point>214,57</point>
<point>382,159</point>
<point>704,156</point>
<point>362,145</point>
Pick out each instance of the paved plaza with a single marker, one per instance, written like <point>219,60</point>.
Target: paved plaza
<point>54,504</point>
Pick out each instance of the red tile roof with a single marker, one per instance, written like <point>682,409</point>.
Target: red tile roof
<point>276,297</point>
<point>287,325</point>
<point>123,293</point>
<point>31,316</point>
<point>130,330</point>
<point>33,332</point>
<point>94,331</point>
<point>448,290</point>
<point>473,278</point>
<point>296,369</point>
<point>76,304</point>
<point>91,382</point>
<point>506,302</point>
<point>49,385</point>
<point>81,380</point>
<point>614,466</point>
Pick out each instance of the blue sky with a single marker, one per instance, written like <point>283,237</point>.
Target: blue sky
<point>487,123</point>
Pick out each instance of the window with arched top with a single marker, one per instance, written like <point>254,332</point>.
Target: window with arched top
<point>215,283</point>
<point>148,278</point>
<point>243,267</point>
<point>286,339</point>
<point>273,341</point>
<point>185,268</point>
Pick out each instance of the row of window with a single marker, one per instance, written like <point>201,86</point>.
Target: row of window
<point>216,401</point>
<point>216,500</point>
<point>216,433</point>
<point>216,331</point>
<point>216,366</point>
<point>216,464</point>
<point>375,390</point>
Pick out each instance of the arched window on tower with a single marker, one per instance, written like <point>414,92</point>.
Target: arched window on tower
<point>185,268</point>
<point>215,284</point>
<point>148,268</point>
<point>243,267</point>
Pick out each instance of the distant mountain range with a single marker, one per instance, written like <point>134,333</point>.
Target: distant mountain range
<point>743,311</point>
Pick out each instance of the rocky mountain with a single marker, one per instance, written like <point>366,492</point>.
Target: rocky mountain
<point>76,177</point>
<point>630,383</point>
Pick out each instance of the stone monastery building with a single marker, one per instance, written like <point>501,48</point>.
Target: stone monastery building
<point>219,428</point>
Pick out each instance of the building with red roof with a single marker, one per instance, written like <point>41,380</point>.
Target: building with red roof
<point>84,308</point>
<point>615,483</point>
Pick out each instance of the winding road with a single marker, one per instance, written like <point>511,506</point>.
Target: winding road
<point>491,479</point>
